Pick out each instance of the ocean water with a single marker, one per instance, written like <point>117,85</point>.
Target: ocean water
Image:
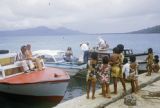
<point>76,87</point>
<point>137,42</point>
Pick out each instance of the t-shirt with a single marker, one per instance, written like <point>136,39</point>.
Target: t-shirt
<point>126,69</point>
<point>84,47</point>
<point>102,44</point>
<point>20,56</point>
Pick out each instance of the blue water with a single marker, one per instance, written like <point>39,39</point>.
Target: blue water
<point>137,42</point>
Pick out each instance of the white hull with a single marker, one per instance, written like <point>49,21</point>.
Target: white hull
<point>71,69</point>
<point>37,89</point>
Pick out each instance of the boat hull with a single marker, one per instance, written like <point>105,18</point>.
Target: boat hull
<point>70,68</point>
<point>53,91</point>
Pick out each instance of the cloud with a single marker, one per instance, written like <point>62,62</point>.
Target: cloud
<point>84,15</point>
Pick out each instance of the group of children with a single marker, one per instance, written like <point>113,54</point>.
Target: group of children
<point>116,67</point>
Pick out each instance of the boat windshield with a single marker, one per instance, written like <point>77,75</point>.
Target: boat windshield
<point>61,54</point>
<point>48,58</point>
<point>59,58</point>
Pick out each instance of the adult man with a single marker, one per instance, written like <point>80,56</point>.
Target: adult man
<point>85,49</point>
<point>102,45</point>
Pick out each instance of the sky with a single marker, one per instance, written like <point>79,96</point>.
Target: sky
<point>90,16</point>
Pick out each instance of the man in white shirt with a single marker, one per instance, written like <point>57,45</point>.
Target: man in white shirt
<point>85,49</point>
<point>102,45</point>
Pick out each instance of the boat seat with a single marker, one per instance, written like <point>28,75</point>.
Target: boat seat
<point>10,70</point>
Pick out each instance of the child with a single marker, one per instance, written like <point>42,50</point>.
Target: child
<point>104,73</point>
<point>121,49</point>
<point>134,74</point>
<point>149,60</point>
<point>155,66</point>
<point>126,69</point>
<point>91,75</point>
<point>115,63</point>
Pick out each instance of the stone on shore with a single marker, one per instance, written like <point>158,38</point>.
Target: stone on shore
<point>130,100</point>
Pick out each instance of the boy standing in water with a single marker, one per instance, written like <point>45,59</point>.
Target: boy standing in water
<point>91,75</point>
<point>115,63</point>
<point>149,60</point>
<point>104,73</point>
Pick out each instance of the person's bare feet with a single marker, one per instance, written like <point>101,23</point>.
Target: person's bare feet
<point>39,69</point>
<point>148,74</point>
<point>124,92</point>
<point>108,96</point>
<point>136,91</point>
<point>115,93</point>
<point>93,97</point>
<point>100,93</point>
<point>138,88</point>
<point>104,96</point>
<point>87,97</point>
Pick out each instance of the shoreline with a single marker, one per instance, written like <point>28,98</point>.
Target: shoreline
<point>101,102</point>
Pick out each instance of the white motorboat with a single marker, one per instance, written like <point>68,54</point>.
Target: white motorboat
<point>48,84</point>
<point>55,58</point>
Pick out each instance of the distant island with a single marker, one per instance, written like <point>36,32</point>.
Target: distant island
<point>42,31</point>
<point>154,29</point>
<point>38,31</point>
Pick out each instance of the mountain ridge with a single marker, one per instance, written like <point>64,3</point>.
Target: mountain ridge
<point>40,30</point>
<point>153,29</point>
<point>43,30</point>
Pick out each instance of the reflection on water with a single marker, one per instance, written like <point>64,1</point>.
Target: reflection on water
<point>76,87</point>
<point>13,101</point>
